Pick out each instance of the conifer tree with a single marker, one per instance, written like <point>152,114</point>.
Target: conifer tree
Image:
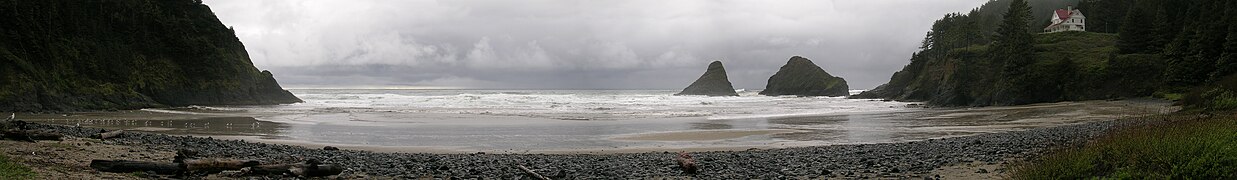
<point>1136,31</point>
<point>1014,49</point>
<point>1227,64</point>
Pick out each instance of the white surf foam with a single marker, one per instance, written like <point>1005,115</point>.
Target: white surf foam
<point>583,105</point>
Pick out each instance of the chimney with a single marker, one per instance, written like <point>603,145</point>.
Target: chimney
<point>1069,8</point>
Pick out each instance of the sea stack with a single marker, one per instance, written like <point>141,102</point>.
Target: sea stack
<point>713,83</point>
<point>803,78</point>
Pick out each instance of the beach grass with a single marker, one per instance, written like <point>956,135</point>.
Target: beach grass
<point>1179,146</point>
<point>10,169</point>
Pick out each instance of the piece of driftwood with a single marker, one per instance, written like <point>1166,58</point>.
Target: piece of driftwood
<point>13,124</point>
<point>217,165</point>
<point>311,168</point>
<point>184,154</point>
<point>126,166</point>
<point>43,135</point>
<point>685,161</point>
<point>29,135</point>
<point>530,172</point>
<point>110,134</point>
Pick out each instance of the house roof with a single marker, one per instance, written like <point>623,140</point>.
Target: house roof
<point>1064,14</point>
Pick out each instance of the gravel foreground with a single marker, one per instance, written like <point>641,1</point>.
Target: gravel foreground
<point>887,160</point>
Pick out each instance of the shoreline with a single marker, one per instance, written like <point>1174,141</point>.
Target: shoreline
<point>916,159</point>
<point>961,122</point>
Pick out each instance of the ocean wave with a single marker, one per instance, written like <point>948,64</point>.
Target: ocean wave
<point>579,104</point>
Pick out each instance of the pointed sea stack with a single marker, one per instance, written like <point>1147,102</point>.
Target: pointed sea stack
<point>803,78</point>
<point>712,83</point>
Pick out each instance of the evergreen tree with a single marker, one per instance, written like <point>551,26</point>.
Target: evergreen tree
<point>1181,67</point>
<point>1064,78</point>
<point>1162,32</point>
<point>1014,48</point>
<point>1208,42</point>
<point>1136,33</point>
<point>1227,64</point>
<point>1105,16</point>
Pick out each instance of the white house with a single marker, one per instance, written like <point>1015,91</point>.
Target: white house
<point>1068,19</point>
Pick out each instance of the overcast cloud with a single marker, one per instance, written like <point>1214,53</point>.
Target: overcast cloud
<point>568,44</point>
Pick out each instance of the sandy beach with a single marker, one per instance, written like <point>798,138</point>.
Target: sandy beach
<point>956,157</point>
<point>619,136</point>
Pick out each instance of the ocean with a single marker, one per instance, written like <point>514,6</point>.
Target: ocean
<point>622,120</point>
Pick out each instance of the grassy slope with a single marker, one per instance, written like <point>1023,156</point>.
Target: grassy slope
<point>1086,48</point>
<point>967,76</point>
<point>1199,142</point>
<point>1178,146</point>
<point>13,170</point>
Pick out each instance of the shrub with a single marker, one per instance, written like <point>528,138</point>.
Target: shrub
<point>1182,146</point>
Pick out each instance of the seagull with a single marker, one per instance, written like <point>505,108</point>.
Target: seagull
<point>12,116</point>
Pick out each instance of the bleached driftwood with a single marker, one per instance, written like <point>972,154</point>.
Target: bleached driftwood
<point>311,168</point>
<point>110,134</point>
<point>530,172</point>
<point>126,166</point>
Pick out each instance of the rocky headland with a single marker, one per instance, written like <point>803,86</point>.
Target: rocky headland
<point>136,54</point>
<point>712,83</point>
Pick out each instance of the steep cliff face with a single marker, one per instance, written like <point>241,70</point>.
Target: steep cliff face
<point>70,55</point>
<point>803,78</point>
<point>712,83</point>
<point>1069,66</point>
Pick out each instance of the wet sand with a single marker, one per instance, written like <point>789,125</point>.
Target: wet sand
<point>656,135</point>
<point>700,135</point>
<point>946,157</point>
<point>166,122</point>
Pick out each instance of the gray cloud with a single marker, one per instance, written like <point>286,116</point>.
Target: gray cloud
<point>603,44</point>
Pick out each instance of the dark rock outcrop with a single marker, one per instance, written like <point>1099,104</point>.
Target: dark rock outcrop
<point>713,83</point>
<point>124,55</point>
<point>803,78</point>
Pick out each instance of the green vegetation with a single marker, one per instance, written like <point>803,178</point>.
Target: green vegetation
<point>1220,96</point>
<point>67,55</point>
<point>1178,146</point>
<point>1013,48</point>
<point>14,170</point>
<point>1166,48</point>
<point>1173,49</point>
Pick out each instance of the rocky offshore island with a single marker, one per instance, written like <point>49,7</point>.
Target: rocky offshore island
<point>801,77</point>
<point>712,83</point>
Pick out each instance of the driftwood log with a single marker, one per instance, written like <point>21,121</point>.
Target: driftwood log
<point>13,124</point>
<point>125,166</point>
<point>216,165</point>
<point>685,161</point>
<point>29,135</point>
<point>297,169</point>
<point>311,168</point>
<point>530,172</point>
<point>110,134</point>
<point>16,130</point>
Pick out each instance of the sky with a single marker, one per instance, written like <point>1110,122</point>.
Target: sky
<point>571,44</point>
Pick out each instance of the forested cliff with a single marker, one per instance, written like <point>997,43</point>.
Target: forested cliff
<point>1160,47</point>
<point>73,55</point>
